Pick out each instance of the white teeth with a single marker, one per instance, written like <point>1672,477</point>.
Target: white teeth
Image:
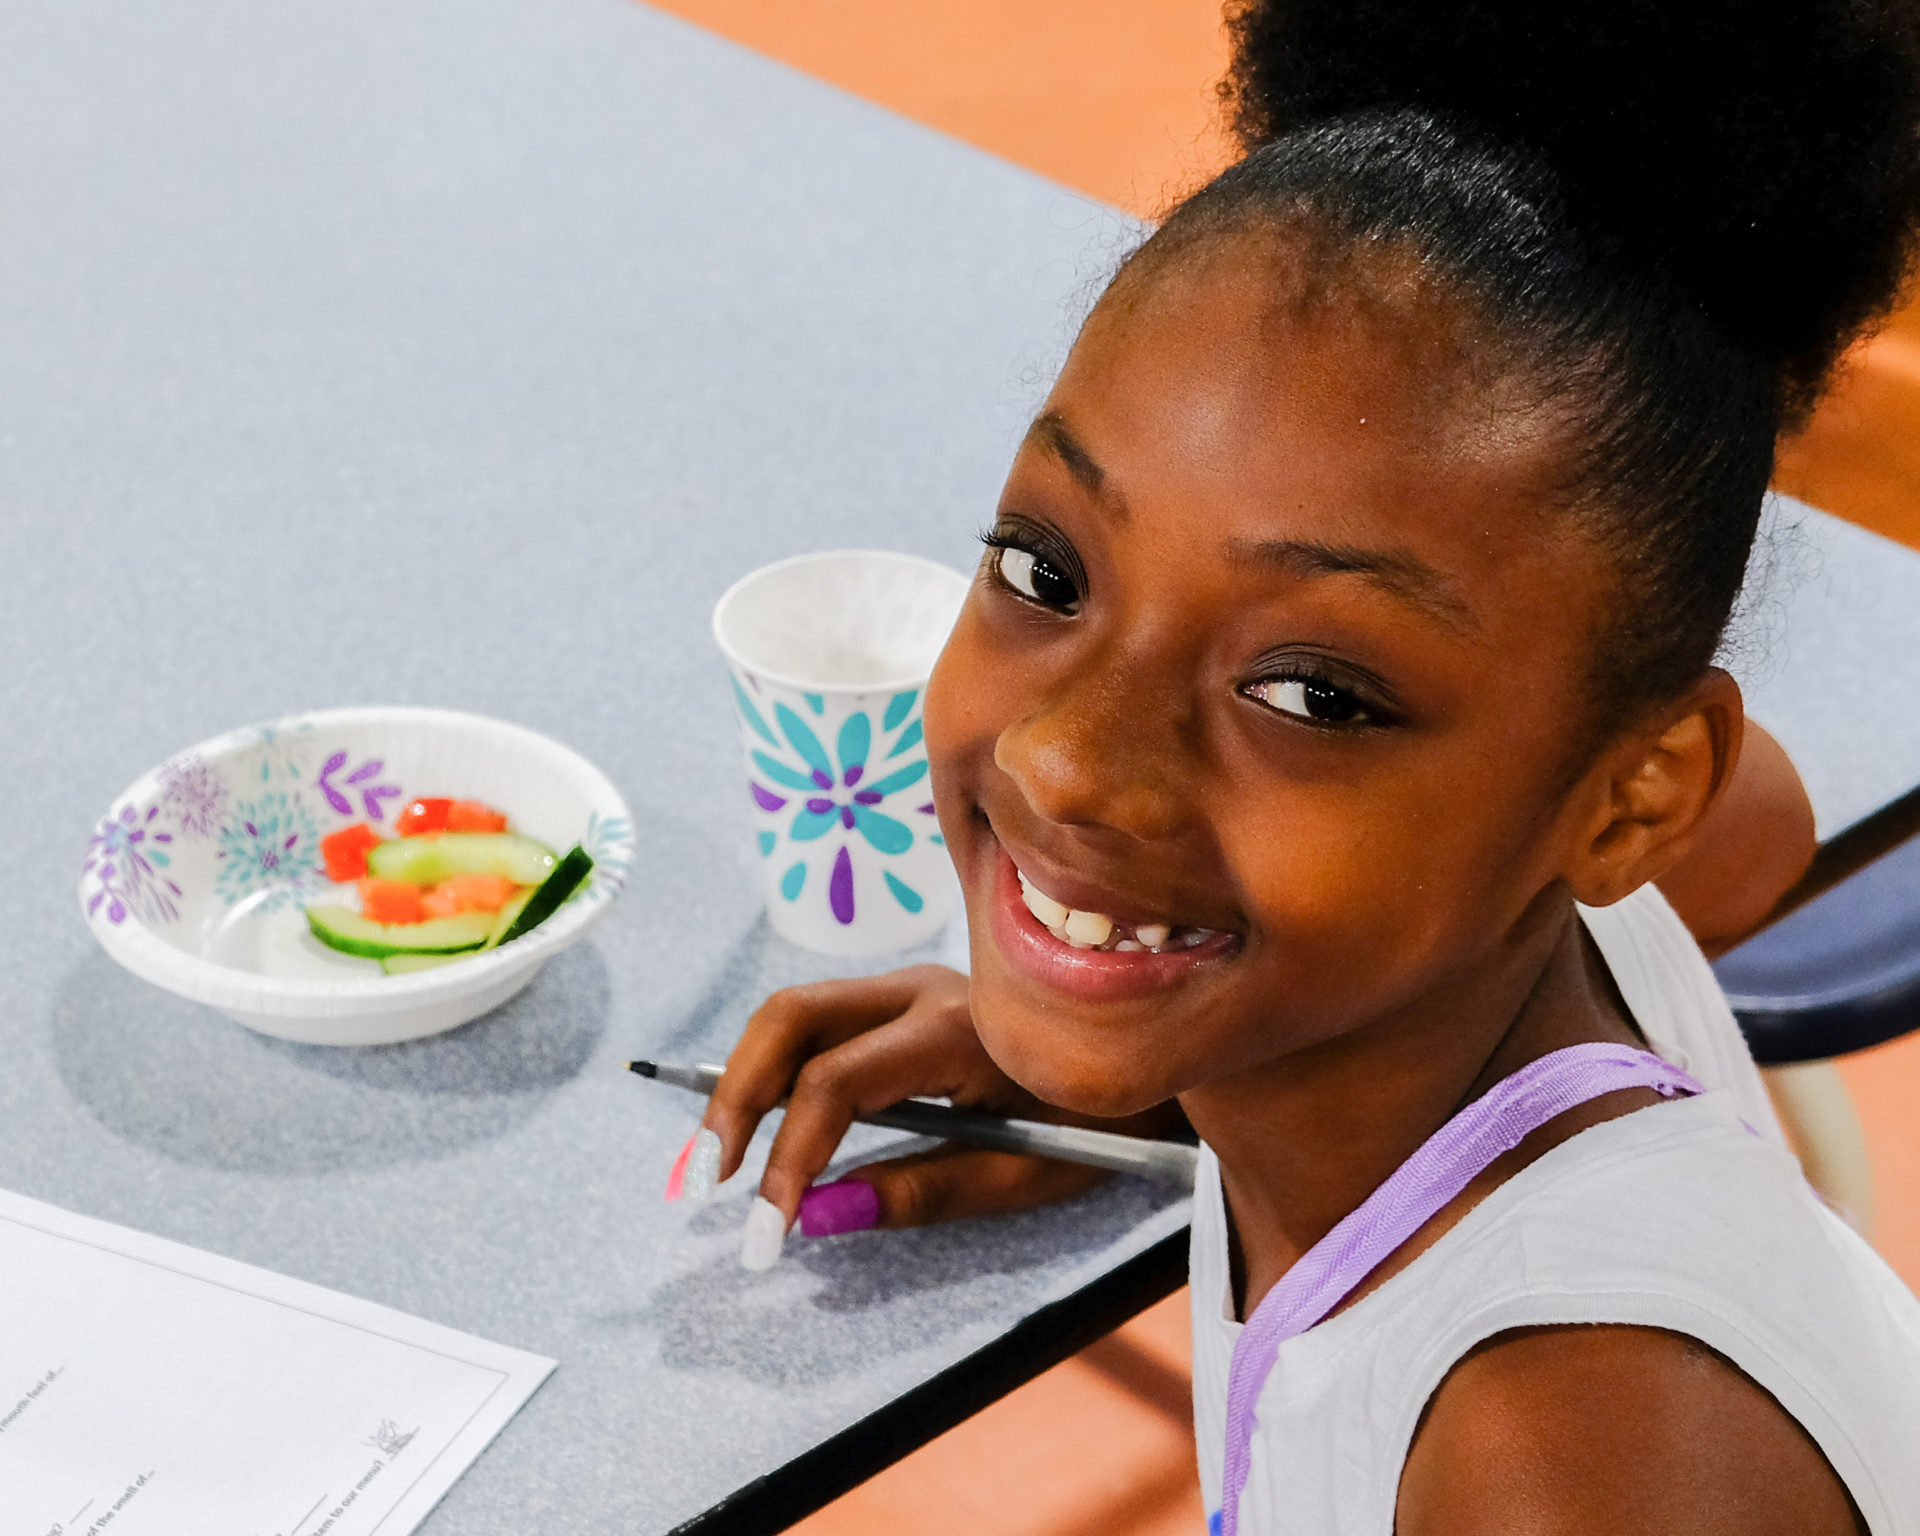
<point>1095,930</point>
<point>1089,928</point>
<point>1052,914</point>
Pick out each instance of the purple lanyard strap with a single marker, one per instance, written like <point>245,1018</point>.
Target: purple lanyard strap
<point>1445,1164</point>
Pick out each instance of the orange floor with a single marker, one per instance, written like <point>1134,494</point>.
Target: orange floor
<point>1116,98</point>
<point>1860,456</point>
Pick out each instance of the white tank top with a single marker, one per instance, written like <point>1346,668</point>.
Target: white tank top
<point>1678,1216</point>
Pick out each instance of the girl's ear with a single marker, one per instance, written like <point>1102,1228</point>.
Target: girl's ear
<point>1638,807</point>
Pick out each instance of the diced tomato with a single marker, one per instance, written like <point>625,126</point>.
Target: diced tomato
<point>346,852</point>
<point>391,901</point>
<point>422,817</point>
<point>472,816</point>
<point>476,893</point>
<point>440,902</point>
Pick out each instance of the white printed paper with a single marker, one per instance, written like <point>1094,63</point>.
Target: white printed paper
<point>150,1389</point>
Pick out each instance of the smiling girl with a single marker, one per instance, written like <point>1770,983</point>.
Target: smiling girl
<point>1337,682</point>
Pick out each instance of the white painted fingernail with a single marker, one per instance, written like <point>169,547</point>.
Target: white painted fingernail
<point>763,1236</point>
<point>703,1165</point>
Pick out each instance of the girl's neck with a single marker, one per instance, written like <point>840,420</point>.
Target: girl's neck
<point>1303,1140</point>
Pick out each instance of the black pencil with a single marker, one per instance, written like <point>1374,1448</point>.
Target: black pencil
<point>1165,1162</point>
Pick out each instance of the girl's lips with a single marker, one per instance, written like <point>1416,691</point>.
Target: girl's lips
<point>1096,975</point>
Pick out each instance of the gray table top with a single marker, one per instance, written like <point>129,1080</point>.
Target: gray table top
<point>1827,649</point>
<point>461,353</point>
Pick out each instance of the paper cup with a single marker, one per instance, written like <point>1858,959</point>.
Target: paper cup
<point>830,655</point>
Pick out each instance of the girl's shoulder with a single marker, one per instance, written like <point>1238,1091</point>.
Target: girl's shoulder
<point>1680,1217</point>
<point>1677,1218</point>
<point>1689,1217</point>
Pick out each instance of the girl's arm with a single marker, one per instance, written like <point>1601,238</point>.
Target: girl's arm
<point>1750,850</point>
<point>1594,1431</point>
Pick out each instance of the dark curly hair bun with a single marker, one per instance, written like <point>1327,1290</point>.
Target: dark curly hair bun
<point>1764,157</point>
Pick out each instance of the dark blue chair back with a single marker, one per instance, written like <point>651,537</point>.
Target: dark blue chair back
<point>1840,974</point>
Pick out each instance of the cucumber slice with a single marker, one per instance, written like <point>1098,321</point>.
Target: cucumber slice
<point>343,929</point>
<point>429,860</point>
<point>509,914</point>
<point>406,965</point>
<point>568,876</point>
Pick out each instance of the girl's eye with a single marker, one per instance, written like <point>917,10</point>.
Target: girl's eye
<point>1035,577</point>
<point>1310,698</point>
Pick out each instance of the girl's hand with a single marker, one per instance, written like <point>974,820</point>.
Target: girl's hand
<point>838,1049</point>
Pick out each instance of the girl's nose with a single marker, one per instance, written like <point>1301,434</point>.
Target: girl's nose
<point>1104,751</point>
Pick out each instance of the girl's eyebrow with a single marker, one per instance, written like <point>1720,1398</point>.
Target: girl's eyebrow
<point>1052,436</point>
<point>1398,572</point>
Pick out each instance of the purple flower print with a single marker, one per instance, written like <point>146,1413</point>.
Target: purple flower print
<point>270,844</point>
<point>370,794</point>
<point>840,887</point>
<point>127,859</point>
<point>194,795</point>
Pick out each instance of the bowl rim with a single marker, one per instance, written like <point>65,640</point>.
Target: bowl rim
<point>780,679</point>
<point>135,945</point>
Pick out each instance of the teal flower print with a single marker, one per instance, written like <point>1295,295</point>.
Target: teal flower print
<point>610,842</point>
<point>271,843</point>
<point>833,790</point>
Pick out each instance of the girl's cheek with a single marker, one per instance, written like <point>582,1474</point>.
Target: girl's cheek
<point>1324,877</point>
<point>943,689</point>
<point>958,715</point>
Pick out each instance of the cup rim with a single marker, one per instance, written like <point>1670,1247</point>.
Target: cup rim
<point>916,679</point>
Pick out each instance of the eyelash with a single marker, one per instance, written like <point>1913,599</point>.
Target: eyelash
<point>1050,554</point>
<point>1046,555</point>
<point>1314,686</point>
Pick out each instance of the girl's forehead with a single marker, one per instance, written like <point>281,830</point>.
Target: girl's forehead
<point>1240,377</point>
<point>1279,322</point>
<point>1229,404</point>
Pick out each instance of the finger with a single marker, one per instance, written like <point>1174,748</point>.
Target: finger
<point>944,1185</point>
<point>918,1054</point>
<point>790,1027</point>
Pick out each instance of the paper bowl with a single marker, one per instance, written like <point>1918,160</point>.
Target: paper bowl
<point>198,877</point>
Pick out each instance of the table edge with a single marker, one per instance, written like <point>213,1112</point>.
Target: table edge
<point>818,1476</point>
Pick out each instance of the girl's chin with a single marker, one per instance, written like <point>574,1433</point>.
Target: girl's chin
<point>1036,956</point>
<point>1063,1068</point>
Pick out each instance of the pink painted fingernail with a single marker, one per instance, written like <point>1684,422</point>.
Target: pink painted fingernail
<point>677,1179</point>
<point>847,1205</point>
